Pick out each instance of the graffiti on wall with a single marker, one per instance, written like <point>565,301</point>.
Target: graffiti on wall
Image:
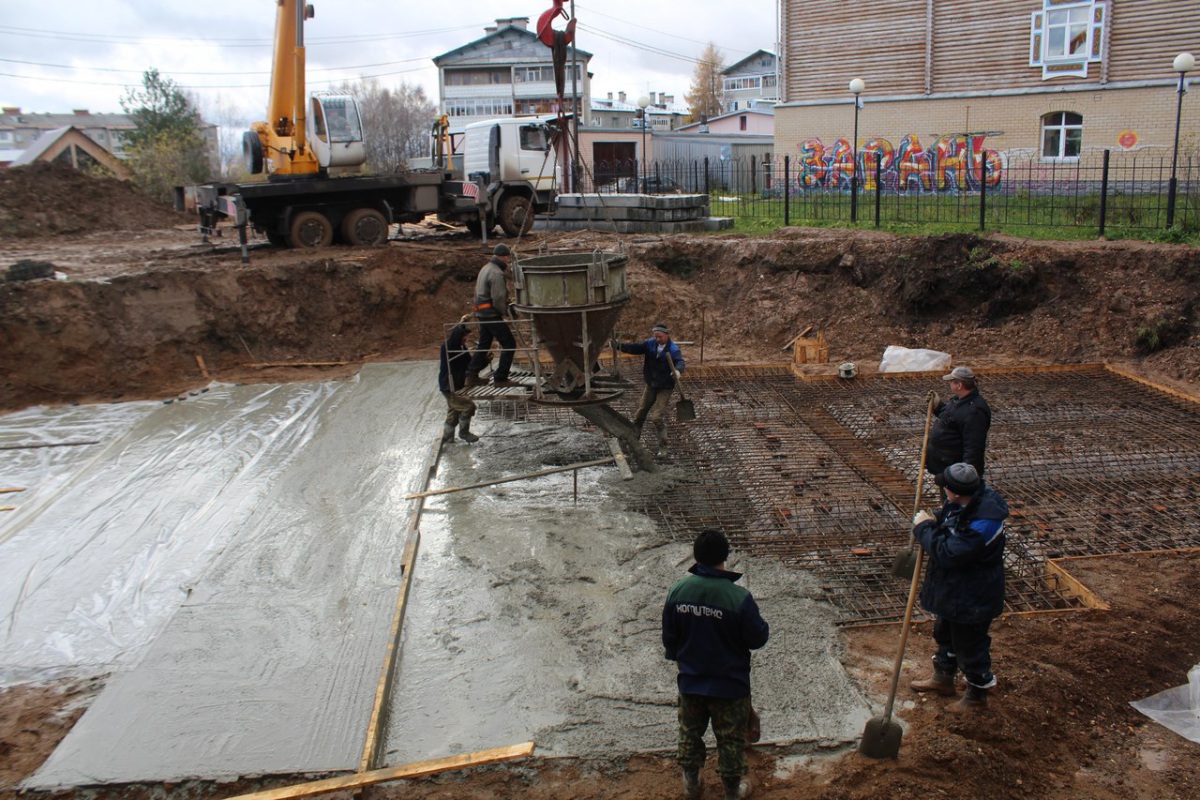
<point>951,164</point>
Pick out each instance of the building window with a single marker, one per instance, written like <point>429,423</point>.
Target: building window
<point>742,122</point>
<point>1065,36</point>
<point>1062,135</point>
<point>6,136</point>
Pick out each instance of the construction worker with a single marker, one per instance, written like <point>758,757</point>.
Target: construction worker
<point>961,430</point>
<point>964,584</point>
<point>452,376</point>
<point>709,626</point>
<point>491,303</point>
<point>662,362</point>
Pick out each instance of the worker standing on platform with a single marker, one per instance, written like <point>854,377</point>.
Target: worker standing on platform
<point>662,362</point>
<point>491,304</point>
<point>452,378</point>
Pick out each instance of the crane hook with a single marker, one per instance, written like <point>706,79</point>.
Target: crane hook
<point>546,34</point>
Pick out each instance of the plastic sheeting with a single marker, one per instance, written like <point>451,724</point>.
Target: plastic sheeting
<point>1177,709</point>
<point>904,359</point>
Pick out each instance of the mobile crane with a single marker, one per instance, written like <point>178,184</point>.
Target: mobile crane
<point>509,168</point>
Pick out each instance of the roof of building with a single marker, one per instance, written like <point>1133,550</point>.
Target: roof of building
<point>765,112</point>
<point>78,119</point>
<point>748,59</point>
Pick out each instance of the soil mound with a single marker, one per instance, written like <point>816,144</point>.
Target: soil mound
<point>51,199</point>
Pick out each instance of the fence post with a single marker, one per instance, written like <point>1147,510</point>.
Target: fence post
<point>878,184</point>
<point>753,175</point>
<point>706,186</point>
<point>787,191</point>
<point>1104,193</point>
<point>983,191</point>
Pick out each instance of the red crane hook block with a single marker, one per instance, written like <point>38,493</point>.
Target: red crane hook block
<point>546,34</point>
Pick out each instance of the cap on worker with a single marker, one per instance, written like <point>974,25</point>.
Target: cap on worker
<point>959,478</point>
<point>660,328</point>
<point>960,374</point>
<point>710,548</point>
<point>502,250</point>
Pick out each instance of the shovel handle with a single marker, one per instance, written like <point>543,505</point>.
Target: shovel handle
<point>679,380</point>
<point>912,537</point>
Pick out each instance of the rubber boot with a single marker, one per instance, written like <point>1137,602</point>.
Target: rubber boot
<point>464,431</point>
<point>691,784</point>
<point>736,788</point>
<point>941,683</point>
<point>473,379</point>
<point>447,433</point>
<point>973,700</point>
<point>663,450</point>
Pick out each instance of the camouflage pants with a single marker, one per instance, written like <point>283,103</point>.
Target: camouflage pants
<point>458,408</point>
<point>654,406</point>
<point>728,718</point>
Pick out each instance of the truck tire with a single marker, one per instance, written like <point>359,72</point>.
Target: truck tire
<point>252,152</point>
<point>310,229</point>
<point>516,215</point>
<point>365,227</point>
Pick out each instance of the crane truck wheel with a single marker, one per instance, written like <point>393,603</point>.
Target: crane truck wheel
<point>516,215</point>
<point>252,152</point>
<point>365,227</point>
<point>310,229</point>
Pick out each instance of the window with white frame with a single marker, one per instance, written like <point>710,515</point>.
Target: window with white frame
<point>1062,135</point>
<point>1065,36</point>
<point>6,136</point>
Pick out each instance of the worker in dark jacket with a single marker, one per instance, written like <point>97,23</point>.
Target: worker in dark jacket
<point>964,584</point>
<point>452,378</point>
<point>491,304</point>
<point>662,362</point>
<point>961,430</point>
<point>709,626</point>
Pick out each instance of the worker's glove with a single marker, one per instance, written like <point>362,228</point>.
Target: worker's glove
<point>922,516</point>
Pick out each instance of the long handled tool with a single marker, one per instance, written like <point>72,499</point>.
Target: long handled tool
<point>906,560</point>
<point>881,737</point>
<point>685,410</point>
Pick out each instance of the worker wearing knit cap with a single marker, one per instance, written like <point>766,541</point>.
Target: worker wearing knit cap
<point>662,361</point>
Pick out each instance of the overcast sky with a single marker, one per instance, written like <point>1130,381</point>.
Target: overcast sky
<point>76,54</point>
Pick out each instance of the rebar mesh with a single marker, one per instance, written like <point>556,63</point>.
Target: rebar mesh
<point>822,473</point>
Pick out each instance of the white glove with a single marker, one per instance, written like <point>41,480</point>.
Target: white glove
<point>922,516</point>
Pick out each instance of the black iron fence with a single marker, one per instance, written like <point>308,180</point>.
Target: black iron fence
<point>1102,190</point>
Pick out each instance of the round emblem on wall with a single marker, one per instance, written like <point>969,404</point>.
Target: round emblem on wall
<point>1127,139</point>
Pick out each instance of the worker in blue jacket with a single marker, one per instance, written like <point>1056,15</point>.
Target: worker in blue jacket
<point>662,362</point>
<point>709,626</point>
<point>964,583</point>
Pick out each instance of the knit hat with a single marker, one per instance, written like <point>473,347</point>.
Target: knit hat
<point>660,328</point>
<point>502,250</point>
<point>960,374</point>
<point>710,548</point>
<point>960,478</point>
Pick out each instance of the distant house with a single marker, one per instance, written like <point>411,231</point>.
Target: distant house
<point>69,145</point>
<point>759,121</point>
<point>508,72</point>
<point>662,114</point>
<point>752,82</point>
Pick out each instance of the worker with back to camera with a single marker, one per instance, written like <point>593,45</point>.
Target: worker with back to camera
<point>964,583</point>
<point>960,432</point>
<point>661,361</point>
<point>491,304</point>
<point>709,626</point>
<point>452,378</point>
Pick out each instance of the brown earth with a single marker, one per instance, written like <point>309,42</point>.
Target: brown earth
<point>139,307</point>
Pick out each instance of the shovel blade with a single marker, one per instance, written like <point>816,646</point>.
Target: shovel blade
<point>881,738</point>
<point>904,563</point>
<point>685,411</point>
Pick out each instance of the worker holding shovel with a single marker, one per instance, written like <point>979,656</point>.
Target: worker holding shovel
<point>662,363</point>
<point>452,377</point>
<point>964,585</point>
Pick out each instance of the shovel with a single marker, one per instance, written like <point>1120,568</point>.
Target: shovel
<point>685,411</point>
<point>906,560</point>
<point>881,737</point>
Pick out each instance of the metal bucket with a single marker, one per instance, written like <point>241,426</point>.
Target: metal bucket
<point>574,301</point>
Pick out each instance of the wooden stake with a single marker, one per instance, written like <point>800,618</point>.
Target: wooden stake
<point>394,773</point>
<point>598,462</point>
<point>201,365</point>
<point>13,489</point>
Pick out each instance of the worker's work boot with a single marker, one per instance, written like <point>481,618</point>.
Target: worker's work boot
<point>464,431</point>
<point>637,429</point>
<point>973,700</point>
<point>941,683</point>
<point>692,789</point>
<point>736,788</point>
<point>473,379</point>
<point>447,433</point>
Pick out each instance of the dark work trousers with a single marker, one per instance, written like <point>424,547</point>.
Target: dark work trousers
<point>729,717</point>
<point>489,331</point>
<point>965,647</point>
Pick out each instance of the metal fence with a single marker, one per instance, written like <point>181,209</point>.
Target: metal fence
<point>1102,190</point>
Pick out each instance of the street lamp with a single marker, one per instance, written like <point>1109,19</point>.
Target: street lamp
<point>857,87</point>
<point>643,104</point>
<point>1184,63</point>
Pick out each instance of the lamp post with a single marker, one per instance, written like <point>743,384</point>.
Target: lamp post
<point>857,87</point>
<point>1184,62</point>
<point>643,104</point>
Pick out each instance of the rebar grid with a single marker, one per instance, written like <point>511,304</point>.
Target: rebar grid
<point>822,474</point>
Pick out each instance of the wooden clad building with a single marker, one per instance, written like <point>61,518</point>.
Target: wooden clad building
<point>1055,81</point>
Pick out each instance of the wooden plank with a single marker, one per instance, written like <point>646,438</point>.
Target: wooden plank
<point>8,508</point>
<point>1057,576</point>
<point>12,489</point>
<point>1155,386</point>
<point>415,770</point>
<point>265,364</point>
<point>203,367</point>
<point>582,464</point>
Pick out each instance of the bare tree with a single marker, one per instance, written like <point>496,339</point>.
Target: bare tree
<point>396,122</point>
<point>707,95</point>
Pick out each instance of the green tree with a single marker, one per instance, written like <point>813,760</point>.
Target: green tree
<point>707,95</point>
<point>396,122</point>
<point>167,147</point>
